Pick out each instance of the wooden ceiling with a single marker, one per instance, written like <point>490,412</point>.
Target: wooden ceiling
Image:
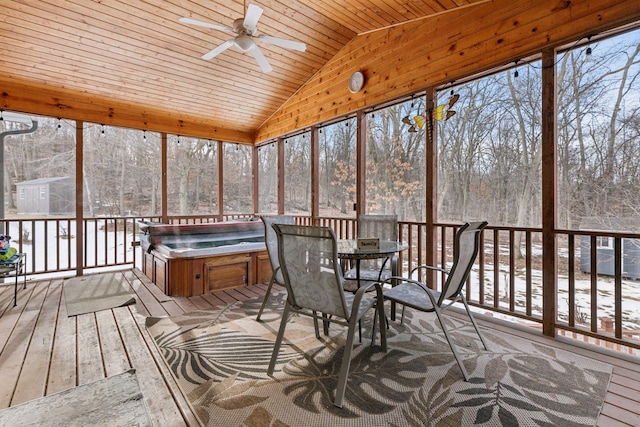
<point>137,53</point>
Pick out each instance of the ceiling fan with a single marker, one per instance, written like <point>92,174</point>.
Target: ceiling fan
<point>245,30</point>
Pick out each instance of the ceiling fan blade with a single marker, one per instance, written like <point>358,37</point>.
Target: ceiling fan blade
<point>206,24</point>
<point>224,46</point>
<point>262,61</point>
<point>289,44</point>
<point>251,18</point>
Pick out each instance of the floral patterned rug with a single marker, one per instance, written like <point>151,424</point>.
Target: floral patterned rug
<point>219,357</point>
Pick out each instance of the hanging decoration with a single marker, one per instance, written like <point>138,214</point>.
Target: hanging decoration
<point>442,112</point>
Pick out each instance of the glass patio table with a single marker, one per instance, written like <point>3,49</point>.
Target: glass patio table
<point>348,250</point>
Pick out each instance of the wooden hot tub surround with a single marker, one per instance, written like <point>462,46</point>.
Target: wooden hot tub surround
<point>194,259</point>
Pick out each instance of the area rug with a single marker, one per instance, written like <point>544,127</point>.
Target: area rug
<point>87,294</point>
<point>220,357</point>
<point>114,401</point>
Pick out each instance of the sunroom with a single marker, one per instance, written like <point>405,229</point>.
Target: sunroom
<point>521,114</point>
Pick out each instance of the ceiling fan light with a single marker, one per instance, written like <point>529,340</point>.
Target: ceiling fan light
<point>244,43</point>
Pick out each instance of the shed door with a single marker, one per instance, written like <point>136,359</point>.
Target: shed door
<point>32,202</point>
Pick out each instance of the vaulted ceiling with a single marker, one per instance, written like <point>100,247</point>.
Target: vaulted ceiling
<point>134,64</point>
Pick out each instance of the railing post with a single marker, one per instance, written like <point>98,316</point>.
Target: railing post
<point>79,198</point>
<point>549,181</point>
<point>431,186</point>
<point>315,174</point>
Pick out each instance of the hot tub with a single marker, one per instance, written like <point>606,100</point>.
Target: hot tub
<point>193,240</point>
<point>193,259</point>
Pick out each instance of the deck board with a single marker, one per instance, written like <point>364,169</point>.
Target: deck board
<point>32,382</point>
<point>62,369</point>
<point>214,300</point>
<point>90,365</point>
<point>15,350</point>
<point>42,351</point>
<point>114,354</point>
<point>160,403</point>
<point>200,302</point>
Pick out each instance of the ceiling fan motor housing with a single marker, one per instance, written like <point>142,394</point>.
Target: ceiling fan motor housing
<point>239,28</point>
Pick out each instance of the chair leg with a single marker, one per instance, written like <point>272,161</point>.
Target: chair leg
<point>266,296</point>
<point>315,324</point>
<point>453,348</point>
<point>382,316</point>
<point>383,334</point>
<point>276,347</point>
<point>325,324</point>
<point>473,321</point>
<point>373,329</point>
<point>346,363</point>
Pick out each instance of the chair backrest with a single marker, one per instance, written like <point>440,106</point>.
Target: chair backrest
<point>465,251</point>
<point>271,241</point>
<point>309,263</point>
<point>384,227</point>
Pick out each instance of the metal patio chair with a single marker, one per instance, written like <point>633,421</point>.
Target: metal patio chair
<point>414,294</point>
<point>314,281</point>
<point>271,242</point>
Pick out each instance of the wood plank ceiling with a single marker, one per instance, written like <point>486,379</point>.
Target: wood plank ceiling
<point>137,52</point>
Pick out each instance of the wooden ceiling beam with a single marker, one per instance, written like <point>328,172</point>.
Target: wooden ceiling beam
<point>42,100</point>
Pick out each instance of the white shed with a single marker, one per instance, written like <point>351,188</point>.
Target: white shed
<point>46,196</point>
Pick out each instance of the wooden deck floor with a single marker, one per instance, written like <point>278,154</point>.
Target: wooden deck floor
<point>42,351</point>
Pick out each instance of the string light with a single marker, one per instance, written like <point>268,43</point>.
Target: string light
<point>102,133</point>
<point>515,74</point>
<point>144,135</point>
<point>589,47</point>
<point>1,117</point>
<point>59,123</point>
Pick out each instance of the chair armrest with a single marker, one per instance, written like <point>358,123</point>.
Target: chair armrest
<point>400,280</point>
<point>428,267</point>
<point>360,293</point>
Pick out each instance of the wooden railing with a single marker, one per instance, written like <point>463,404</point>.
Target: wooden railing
<point>594,302</point>
<point>51,243</point>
